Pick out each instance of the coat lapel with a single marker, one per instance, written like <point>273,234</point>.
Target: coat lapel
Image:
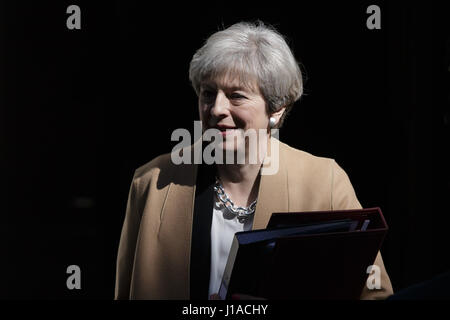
<point>174,237</point>
<point>189,205</point>
<point>201,233</point>
<point>273,194</point>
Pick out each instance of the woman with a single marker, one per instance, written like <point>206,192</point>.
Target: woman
<point>181,218</point>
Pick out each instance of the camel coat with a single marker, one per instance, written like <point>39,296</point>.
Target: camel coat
<point>154,255</point>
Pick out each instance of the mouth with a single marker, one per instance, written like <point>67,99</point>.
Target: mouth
<point>226,130</point>
<point>224,127</point>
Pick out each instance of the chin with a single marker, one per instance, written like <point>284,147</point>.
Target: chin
<point>231,146</point>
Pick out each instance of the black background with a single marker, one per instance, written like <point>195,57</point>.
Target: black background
<point>81,109</point>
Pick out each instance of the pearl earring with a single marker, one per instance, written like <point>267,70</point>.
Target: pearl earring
<point>272,122</point>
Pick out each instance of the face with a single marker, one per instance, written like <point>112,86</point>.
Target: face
<point>232,109</point>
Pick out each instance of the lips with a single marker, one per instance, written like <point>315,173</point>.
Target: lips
<point>224,127</point>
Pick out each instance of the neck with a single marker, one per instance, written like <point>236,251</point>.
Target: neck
<point>249,170</point>
<point>238,173</point>
<point>240,181</point>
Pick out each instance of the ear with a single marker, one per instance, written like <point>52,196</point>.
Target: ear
<point>277,115</point>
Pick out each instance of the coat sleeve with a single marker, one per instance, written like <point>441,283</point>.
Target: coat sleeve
<point>343,197</point>
<point>127,244</point>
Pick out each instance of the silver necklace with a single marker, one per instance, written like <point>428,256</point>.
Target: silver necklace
<point>242,213</point>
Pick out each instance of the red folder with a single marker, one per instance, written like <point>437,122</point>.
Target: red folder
<point>328,265</point>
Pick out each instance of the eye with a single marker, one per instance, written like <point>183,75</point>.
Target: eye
<point>237,96</point>
<point>208,94</point>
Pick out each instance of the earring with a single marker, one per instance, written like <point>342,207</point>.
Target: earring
<point>272,122</point>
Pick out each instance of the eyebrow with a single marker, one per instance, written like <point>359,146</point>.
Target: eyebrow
<point>237,88</point>
<point>229,88</point>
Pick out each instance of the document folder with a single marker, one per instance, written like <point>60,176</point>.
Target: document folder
<point>306,255</point>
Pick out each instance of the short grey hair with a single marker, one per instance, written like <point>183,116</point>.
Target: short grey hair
<point>251,51</point>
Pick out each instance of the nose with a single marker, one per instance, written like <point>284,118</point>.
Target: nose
<point>220,107</point>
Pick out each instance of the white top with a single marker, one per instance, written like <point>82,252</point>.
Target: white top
<point>224,226</point>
